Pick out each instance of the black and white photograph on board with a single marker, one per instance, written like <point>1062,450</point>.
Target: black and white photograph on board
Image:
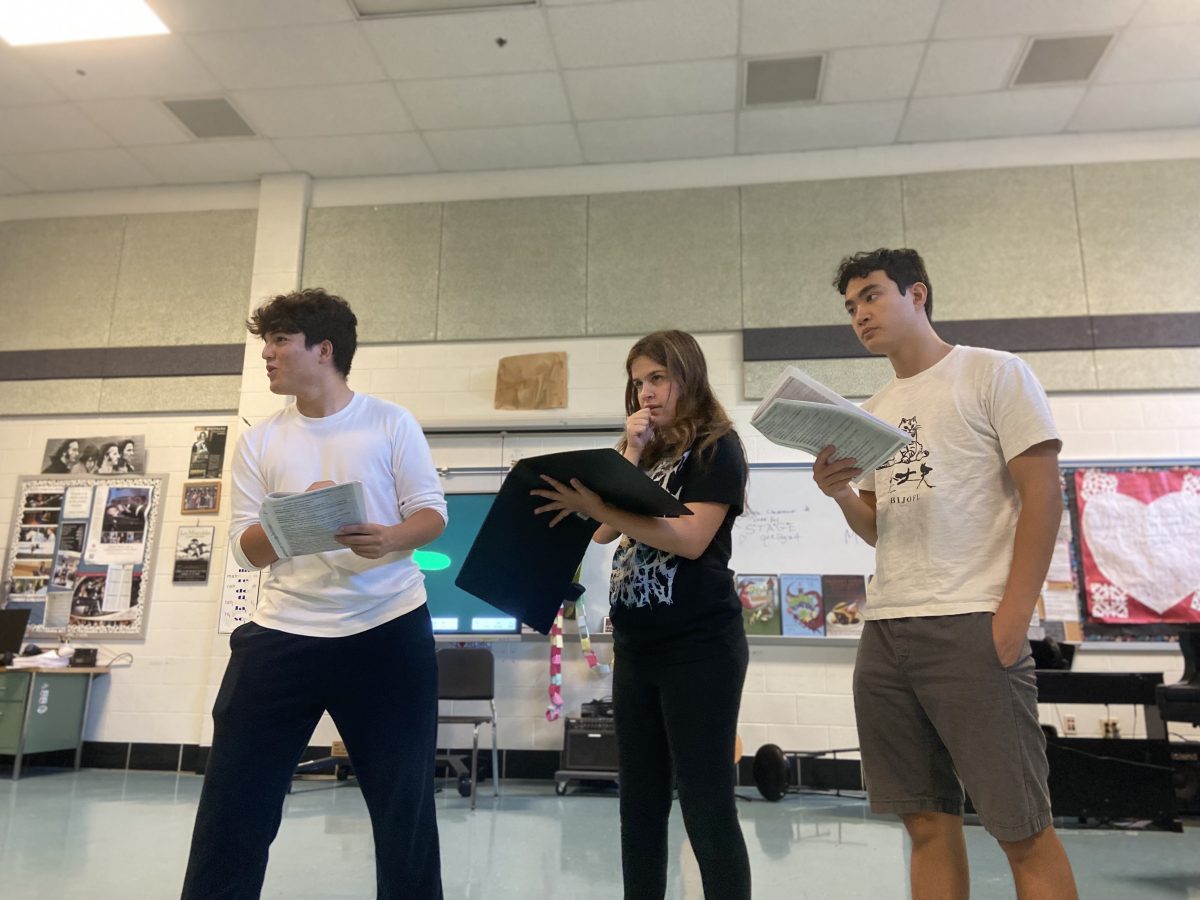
<point>119,454</point>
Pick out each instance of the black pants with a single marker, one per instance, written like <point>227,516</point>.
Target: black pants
<point>677,724</point>
<point>380,687</point>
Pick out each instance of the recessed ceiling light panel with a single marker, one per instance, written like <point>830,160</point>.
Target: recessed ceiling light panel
<point>26,22</point>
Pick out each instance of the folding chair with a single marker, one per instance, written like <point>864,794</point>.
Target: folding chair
<point>468,674</point>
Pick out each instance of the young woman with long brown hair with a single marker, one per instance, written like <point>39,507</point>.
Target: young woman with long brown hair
<point>681,650</point>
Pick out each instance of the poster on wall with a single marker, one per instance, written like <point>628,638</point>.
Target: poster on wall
<point>1138,533</point>
<point>193,554</point>
<point>106,455</point>
<point>208,452</point>
<point>80,554</point>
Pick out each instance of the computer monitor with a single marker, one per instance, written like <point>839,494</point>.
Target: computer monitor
<point>12,630</point>
<point>452,609</point>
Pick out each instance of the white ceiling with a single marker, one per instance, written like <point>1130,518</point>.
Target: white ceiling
<point>577,82</point>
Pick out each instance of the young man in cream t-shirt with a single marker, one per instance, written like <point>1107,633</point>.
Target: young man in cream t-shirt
<point>963,519</point>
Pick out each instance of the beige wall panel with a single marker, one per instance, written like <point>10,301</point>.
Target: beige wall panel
<point>384,261</point>
<point>999,244</point>
<point>58,278</point>
<point>1063,370</point>
<point>1163,368</point>
<point>1140,227</point>
<point>49,397</point>
<point>185,279</point>
<point>664,259</point>
<point>857,378</point>
<point>794,236</point>
<point>188,393</point>
<point>513,268</point>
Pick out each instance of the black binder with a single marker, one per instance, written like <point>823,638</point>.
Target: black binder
<point>525,568</point>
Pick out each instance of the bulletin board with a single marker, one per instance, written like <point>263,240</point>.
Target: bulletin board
<point>80,554</point>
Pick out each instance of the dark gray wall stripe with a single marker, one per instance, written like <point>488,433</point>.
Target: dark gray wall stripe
<point>122,362</point>
<point>1151,330</point>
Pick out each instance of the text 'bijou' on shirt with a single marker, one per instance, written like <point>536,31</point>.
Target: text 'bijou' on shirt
<point>370,440</point>
<point>946,506</point>
<point>674,606</point>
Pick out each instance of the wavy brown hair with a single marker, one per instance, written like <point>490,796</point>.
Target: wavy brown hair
<point>700,419</point>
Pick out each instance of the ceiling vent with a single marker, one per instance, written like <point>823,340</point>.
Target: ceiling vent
<point>210,118</point>
<point>382,9</point>
<point>1057,60</point>
<point>790,80</point>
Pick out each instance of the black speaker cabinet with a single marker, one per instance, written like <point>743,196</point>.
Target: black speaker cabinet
<point>590,745</point>
<point>1186,758</point>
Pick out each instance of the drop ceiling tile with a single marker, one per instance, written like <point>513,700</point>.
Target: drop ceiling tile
<point>1002,114</point>
<point>212,161</point>
<point>1121,107</point>
<point>1167,12</point>
<point>359,154</point>
<point>527,147</point>
<point>871,73</point>
<point>771,27</point>
<point>655,90</point>
<point>233,15</point>
<point>672,137</point>
<point>493,101</point>
<point>49,126</point>
<point>150,66</point>
<point>455,46</point>
<point>984,18</point>
<point>662,31</point>
<point>324,110</point>
<point>22,83</point>
<point>818,127</point>
<point>77,170</point>
<point>133,122</point>
<point>288,57</point>
<point>968,67</point>
<point>1166,53</point>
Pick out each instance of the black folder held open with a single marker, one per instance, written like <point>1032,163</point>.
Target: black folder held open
<point>518,563</point>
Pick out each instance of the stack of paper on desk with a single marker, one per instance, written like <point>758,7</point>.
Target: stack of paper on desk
<point>302,523</point>
<point>801,412</point>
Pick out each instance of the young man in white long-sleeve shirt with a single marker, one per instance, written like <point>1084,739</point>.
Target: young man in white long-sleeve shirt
<point>963,520</point>
<point>345,631</point>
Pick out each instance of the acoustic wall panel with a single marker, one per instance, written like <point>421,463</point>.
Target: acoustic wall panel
<point>58,278</point>
<point>184,278</point>
<point>664,259</point>
<point>1139,225</point>
<point>997,244</point>
<point>384,261</point>
<point>794,236</point>
<point>513,268</point>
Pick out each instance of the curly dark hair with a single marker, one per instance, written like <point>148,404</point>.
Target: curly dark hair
<point>903,266</point>
<point>314,313</point>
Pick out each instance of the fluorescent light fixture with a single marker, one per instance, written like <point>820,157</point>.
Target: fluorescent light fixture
<point>26,22</point>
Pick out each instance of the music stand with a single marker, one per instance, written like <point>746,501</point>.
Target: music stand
<point>12,632</point>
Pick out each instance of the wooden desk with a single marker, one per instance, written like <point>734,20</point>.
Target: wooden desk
<point>44,709</point>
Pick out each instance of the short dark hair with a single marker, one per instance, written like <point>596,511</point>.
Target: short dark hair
<point>314,313</point>
<point>903,266</point>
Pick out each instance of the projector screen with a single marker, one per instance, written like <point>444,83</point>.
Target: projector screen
<point>453,610</point>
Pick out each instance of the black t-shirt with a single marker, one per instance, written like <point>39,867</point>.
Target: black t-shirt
<point>683,608</point>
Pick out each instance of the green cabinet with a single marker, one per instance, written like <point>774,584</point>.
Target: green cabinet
<point>43,710</point>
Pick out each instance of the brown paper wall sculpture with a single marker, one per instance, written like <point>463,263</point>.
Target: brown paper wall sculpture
<point>532,381</point>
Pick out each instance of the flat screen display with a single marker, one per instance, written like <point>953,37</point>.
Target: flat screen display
<point>452,609</point>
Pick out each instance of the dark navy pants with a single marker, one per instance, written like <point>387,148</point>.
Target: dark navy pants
<point>380,688</point>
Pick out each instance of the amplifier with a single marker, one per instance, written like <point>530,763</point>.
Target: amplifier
<point>590,744</point>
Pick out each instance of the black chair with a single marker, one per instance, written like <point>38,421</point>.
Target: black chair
<point>468,674</point>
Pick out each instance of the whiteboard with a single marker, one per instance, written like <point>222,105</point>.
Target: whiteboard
<point>789,526</point>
